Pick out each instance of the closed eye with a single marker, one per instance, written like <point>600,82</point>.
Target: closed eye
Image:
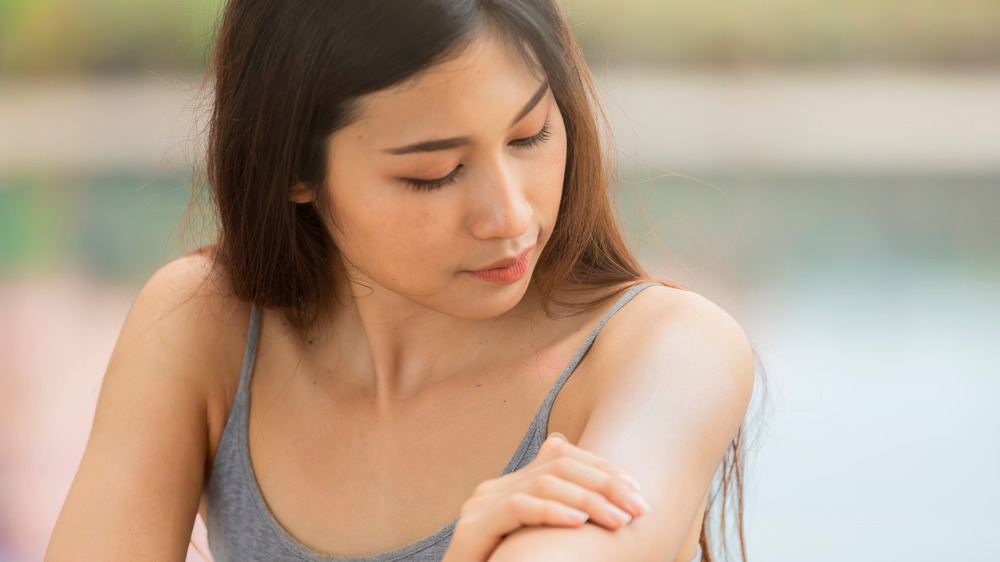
<point>428,185</point>
<point>536,140</point>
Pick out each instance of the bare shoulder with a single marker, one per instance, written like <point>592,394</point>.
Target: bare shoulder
<point>678,328</point>
<point>665,308</point>
<point>671,359</point>
<point>188,298</point>
<point>139,483</point>
<point>186,317</point>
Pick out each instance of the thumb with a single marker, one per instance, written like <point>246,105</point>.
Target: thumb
<point>554,439</point>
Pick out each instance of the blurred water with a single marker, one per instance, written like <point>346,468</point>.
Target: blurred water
<point>885,421</point>
<point>874,304</point>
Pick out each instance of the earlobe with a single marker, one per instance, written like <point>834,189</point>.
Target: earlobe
<point>301,193</point>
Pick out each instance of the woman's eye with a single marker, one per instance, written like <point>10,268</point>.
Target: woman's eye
<point>428,185</point>
<point>536,140</point>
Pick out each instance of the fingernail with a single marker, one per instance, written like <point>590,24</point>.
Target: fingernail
<point>558,435</point>
<point>637,504</point>
<point>629,480</point>
<point>576,516</point>
<point>619,515</point>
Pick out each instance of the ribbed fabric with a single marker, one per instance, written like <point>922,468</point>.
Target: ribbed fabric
<point>242,529</point>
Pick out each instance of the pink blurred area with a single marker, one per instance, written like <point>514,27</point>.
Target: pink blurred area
<point>56,336</point>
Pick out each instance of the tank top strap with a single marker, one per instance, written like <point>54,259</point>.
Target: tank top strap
<point>541,421</point>
<point>249,354</point>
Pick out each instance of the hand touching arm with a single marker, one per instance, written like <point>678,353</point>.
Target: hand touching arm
<point>677,376</point>
<point>564,486</point>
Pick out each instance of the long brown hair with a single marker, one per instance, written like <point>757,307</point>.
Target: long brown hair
<point>288,73</point>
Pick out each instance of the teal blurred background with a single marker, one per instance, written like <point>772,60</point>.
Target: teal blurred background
<point>827,172</point>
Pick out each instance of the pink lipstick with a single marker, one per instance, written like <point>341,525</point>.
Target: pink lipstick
<point>505,275</point>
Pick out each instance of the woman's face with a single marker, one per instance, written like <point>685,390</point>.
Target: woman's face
<point>446,188</point>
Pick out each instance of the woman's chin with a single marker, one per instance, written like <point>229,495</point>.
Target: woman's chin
<point>487,301</point>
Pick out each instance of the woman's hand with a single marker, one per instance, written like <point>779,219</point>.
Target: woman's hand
<point>564,486</point>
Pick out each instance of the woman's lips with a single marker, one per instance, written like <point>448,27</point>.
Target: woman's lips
<point>505,275</point>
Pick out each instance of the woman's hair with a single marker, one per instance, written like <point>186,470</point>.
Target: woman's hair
<point>289,73</point>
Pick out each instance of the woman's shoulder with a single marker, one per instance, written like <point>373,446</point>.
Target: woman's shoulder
<point>188,301</point>
<point>653,309</point>
<point>669,336</point>
<point>661,308</point>
<point>186,316</point>
<point>156,419</point>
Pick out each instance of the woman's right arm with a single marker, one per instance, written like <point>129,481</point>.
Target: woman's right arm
<point>137,490</point>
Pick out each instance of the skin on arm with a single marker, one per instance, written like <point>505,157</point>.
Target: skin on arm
<point>136,492</point>
<point>676,379</point>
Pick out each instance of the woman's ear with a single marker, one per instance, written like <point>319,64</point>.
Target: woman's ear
<point>301,193</point>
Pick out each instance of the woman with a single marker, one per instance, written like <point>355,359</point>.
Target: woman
<point>416,250</point>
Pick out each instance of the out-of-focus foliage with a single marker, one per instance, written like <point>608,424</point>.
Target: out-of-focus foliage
<point>57,36</point>
<point>105,36</point>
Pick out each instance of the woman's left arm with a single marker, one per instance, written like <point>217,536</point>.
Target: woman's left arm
<point>676,378</point>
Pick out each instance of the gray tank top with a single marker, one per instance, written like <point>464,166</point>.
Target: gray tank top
<point>240,526</point>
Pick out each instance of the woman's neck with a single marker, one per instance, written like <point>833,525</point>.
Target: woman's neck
<point>390,348</point>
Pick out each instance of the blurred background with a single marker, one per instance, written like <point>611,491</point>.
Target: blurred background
<point>828,172</point>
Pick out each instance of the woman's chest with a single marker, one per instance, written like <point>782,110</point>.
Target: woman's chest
<point>344,481</point>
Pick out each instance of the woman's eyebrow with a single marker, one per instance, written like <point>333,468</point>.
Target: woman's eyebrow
<point>532,102</point>
<point>446,144</point>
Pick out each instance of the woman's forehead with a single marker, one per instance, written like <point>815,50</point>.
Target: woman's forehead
<point>487,80</point>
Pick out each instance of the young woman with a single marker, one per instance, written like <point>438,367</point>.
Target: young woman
<point>417,278</point>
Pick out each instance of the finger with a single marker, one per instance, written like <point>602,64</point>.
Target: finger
<point>528,510</point>
<point>480,528</point>
<point>512,513</point>
<point>570,450</point>
<point>560,436</point>
<point>554,439</point>
<point>600,509</point>
<point>595,480</point>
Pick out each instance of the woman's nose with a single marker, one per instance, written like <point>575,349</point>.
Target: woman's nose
<point>500,207</point>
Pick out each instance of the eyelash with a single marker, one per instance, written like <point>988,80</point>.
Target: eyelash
<point>536,140</point>
<point>429,185</point>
